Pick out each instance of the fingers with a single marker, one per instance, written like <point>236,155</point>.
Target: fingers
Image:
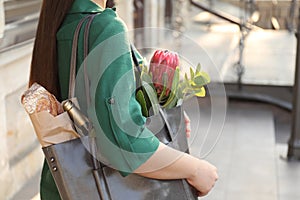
<point>187,125</point>
<point>205,192</point>
<point>188,132</point>
<point>205,178</point>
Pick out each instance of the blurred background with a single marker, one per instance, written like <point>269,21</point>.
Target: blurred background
<point>249,48</point>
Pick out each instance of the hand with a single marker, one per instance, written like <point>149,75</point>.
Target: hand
<point>187,124</point>
<point>204,178</point>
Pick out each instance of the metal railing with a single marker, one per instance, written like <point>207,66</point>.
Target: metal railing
<point>223,15</point>
<point>294,142</point>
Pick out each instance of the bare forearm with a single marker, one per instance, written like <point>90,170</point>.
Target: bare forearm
<point>167,163</point>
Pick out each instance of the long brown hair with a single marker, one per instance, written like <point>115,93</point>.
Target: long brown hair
<point>44,67</point>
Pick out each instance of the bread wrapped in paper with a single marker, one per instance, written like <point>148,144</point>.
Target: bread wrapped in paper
<point>37,99</point>
<point>52,125</point>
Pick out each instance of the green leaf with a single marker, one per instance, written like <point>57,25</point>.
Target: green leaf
<point>144,68</point>
<point>165,82</point>
<point>181,86</point>
<point>198,69</point>
<point>172,103</point>
<point>163,100</point>
<point>152,97</point>
<point>192,74</point>
<point>145,77</point>
<point>200,81</point>
<point>175,79</point>
<point>186,77</point>
<point>201,93</point>
<point>148,102</point>
<point>206,76</point>
<point>165,79</point>
<point>141,99</point>
<point>169,101</point>
<point>173,92</point>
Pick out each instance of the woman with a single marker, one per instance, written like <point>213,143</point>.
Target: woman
<point>50,68</point>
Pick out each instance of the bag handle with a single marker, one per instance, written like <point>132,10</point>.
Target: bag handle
<point>85,53</point>
<point>98,175</point>
<point>73,62</point>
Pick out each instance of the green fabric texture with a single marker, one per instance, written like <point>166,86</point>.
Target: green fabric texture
<point>126,147</point>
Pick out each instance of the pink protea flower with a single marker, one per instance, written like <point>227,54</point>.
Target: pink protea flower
<point>163,61</point>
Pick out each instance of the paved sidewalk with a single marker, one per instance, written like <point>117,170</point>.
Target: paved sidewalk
<point>251,165</point>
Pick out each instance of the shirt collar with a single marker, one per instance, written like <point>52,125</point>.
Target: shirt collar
<point>85,6</point>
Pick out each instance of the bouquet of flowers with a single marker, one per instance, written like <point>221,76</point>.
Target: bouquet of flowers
<point>163,84</point>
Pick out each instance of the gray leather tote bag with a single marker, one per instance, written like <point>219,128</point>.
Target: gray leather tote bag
<point>78,177</point>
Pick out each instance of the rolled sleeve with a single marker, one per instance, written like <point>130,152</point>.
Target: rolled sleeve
<point>126,143</point>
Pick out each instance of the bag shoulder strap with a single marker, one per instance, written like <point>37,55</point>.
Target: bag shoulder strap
<point>73,61</point>
<point>86,51</point>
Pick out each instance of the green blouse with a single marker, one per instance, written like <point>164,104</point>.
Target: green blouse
<point>124,140</point>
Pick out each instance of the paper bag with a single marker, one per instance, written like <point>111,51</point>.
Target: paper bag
<point>53,130</point>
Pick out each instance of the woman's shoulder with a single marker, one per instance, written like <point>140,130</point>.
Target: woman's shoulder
<point>105,22</point>
<point>105,26</point>
<point>110,20</point>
